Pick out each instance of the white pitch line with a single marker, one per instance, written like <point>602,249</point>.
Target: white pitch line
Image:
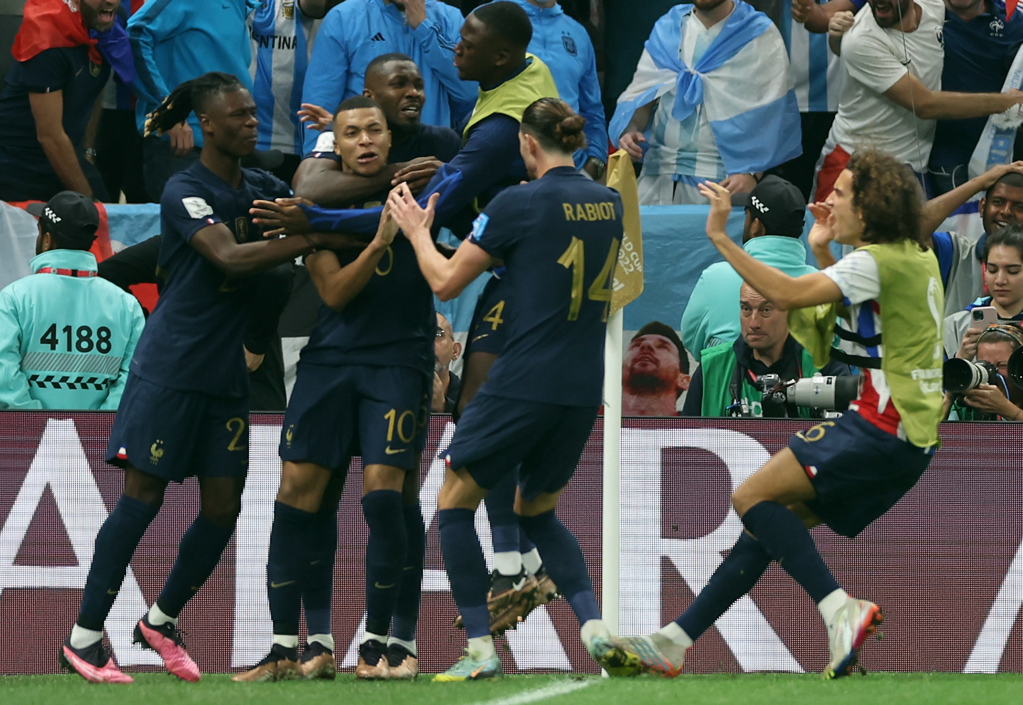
<point>532,696</point>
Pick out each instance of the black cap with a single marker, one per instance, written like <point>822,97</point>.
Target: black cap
<point>776,203</point>
<point>71,217</point>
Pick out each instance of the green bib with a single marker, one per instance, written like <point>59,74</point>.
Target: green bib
<point>911,302</point>
<point>512,97</point>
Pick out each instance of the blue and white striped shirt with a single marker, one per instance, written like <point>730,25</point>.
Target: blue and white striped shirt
<point>282,41</point>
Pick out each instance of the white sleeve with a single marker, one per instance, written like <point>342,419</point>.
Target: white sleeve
<point>857,276</point>
<point>868,59</point>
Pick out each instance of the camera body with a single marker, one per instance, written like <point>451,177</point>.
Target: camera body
<point>822,393</point>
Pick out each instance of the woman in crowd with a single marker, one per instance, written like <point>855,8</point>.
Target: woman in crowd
<point>1003,280</point>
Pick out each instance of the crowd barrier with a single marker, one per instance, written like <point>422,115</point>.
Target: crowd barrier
<point>946,563</point>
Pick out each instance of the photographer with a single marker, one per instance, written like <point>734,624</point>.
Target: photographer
<point>725,384</point>
<point>1000,401</point>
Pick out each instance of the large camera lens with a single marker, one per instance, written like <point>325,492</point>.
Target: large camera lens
<point>825,392</point>
<point>963,375</point>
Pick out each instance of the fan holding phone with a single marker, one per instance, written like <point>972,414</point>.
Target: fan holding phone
<point>1003,280</point>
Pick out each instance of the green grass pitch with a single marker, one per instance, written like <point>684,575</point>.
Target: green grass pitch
<point>748,689</point>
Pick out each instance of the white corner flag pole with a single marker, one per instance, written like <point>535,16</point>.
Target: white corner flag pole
<point>611,524</point>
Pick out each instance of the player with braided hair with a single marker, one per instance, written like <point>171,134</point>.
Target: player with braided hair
<point>185,405</point>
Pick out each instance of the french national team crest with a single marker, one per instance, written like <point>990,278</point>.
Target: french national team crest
<point>569,44</point>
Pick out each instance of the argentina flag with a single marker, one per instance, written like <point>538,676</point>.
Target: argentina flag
<point>742,81</point>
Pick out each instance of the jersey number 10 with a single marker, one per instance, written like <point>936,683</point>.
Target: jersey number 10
<point>574,258</point>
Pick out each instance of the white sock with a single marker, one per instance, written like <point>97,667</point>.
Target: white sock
<point>82,637</point>
<point>156,617</point>
<point>592,629</point>
<point>675,634</point>
<point>410,646</point>
<point>531,561</point>
<point>382,638</point>
<point>481,647</point>
<point>288,641</point>
<point>508,562</point>
<point>325,639</point>
<point>831,604</point>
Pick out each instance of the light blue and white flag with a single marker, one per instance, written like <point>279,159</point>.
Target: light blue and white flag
<point>742,81</point>
<point>996,141</point>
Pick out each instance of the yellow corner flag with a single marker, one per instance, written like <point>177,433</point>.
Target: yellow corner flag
<point>628,278</point>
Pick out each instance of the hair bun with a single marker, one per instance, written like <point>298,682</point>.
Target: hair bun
<point>572,125</point>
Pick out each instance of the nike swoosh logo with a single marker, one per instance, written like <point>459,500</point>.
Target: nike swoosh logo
<point>378,586</point>
<point>280,585</point>
<point>315,562</point>
<point>480,337</point>
<point>111,592</point>
<point>391,451</point>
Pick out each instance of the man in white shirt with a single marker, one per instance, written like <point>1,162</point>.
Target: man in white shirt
<point>892,57</point>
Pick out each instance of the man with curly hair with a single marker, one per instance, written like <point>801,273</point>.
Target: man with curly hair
<point>846,472</point>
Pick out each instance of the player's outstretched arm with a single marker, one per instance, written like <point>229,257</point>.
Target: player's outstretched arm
<point>218,244</point>
<point>338,285</point>
<point>776,286</point>
<point>446,277</point>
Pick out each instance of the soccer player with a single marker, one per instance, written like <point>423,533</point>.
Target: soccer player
<point>184,410</point>
<point>417,149</point>
<point>364,385</point>
<point>558,238</point>
<point>848,472</point>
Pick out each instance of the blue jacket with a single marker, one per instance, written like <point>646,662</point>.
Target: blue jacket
<point>564,45</point>
<point>357,31</point>
<point>177,40</point>
<point>712,314</point>
<point>65,341</point>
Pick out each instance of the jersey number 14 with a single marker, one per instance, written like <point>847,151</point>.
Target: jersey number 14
<point>574,258</point>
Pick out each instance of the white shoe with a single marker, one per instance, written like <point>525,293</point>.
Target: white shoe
<point>853,623</point>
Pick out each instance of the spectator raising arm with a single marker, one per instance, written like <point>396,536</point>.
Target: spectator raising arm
<point>936,210</point>
<point>436,33</point>
<point>816,17</point>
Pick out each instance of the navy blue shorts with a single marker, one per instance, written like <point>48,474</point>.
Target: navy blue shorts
<point>487,332</point>
<point>174,434</point>
<point>495,435</point>
<point>336,412</point>
<point>858,470</point>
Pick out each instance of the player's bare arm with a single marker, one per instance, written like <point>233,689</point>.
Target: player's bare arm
<point>338,285</point>
<point>786,292</point>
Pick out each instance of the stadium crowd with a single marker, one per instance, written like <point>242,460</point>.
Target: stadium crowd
<point>305,155</point>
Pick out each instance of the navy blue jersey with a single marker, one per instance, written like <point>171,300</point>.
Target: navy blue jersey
<point>558,237</point>
<point>391,322</point>
<point>193,340</point>
<point>978,56</point>
<point>67,70</point>
<point>428,141</point>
